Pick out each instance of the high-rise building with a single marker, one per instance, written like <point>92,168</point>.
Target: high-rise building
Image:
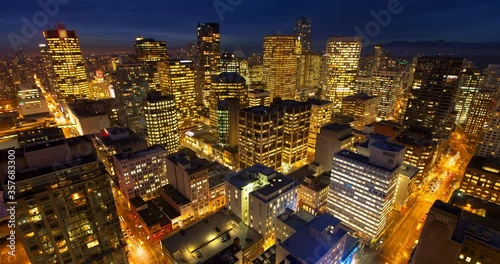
<point>297,121</point>
<point>420,152</point>
<point>380,58</point>
<point>226,85</point>
<point>362,107</point>
<point>310,70</point>
<point>482,179</point>
<point>480,110</point>
<point>229,63</point>
<point>471,82</point>
<point>48,76</point>
<point>150,50</point>
<point>303,32</point>
<point>261,137</point>
<point>433,92</point>
<point>258,97</point>
<point>460,235</point>
<point>341,67</point>
<point>385,84</point>
<point>321,114</point>
<point>99,87</point>
<point>191,50</point>
<point>208,56</point>
<point>141,173</point>
<point>177,77</point>
<point>281,65</point>
<point>190,176</point>
<point>66,56</point>
<point>161,121</point>
<point>362,188</point>
<point>65,211</point>
<point>489,141</point>
<point>331,139</point>
<point>131,90</point>
<point>228,111</point>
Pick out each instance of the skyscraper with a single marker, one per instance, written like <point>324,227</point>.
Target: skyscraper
<point>433,92</point>
<point>479,112</point>
<point>387,85</point>
<point>321,114</point>
<point>341,67</point>
<point>258,97</point>
<point>177,77</point>
<point>303,32</point>
<point>65,208</point>
<point>226,85</point>
<point>297,121</point>
<point>281,65</point>
<point>471,83</point>
<point>208,56</point>
<point>261,137</point>
<point>66,56</point>
<point>150,50</point>
<point>362,107</point>
<point>161,121</point>
<point>131,90</point>
<point>362,188</point>
<point>228,111</point>
<point>310,70</point>
<point>229,63</point>
<point>489,141</point>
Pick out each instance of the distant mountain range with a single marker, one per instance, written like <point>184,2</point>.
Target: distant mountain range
<point>480,53</point>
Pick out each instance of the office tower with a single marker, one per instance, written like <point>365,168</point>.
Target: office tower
<point>191,51</point>
<point>31,101</point>
<point>115,140</point>
<point>177,77</point>
<point>259,97</point>
<point>481,179</point>
<point>313,190</point>
<point>228,111</point>
<point>142,172</point>
<point>380,58</point>
<point>362,198</point>
<point>261,137</point>
<point>131,90</point>
<point>256,74</point>
<point>362,107</point>
<point>471,82</point>
<point>303,32</point>
<point>65,211</point>
<point>432,94</point>
<point>150,50</point>
<point>489,141</point>
<point>190,176</point>
<point>322,240</point>
<point>480,110</point>
<point>208,56</point>
<point>297,120</point>
<point>229,63</point>
<point>69,68</point>
<point>492,74</point>
<point>39,135</point>
<point>420,152</point>
<point>47,70</point>
<point>385,84</point>
<point>161,121</point>
<point>321,114</point>
<point>460,235</point>
<point>281,65</point>
<point>331,139</point>
<point>341,67</point>
<point>310,70</point>
<point>226,85</point>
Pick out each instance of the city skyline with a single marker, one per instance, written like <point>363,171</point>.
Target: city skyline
<point>109,28</point>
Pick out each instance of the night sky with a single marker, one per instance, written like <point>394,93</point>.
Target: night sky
<point>118,22</point>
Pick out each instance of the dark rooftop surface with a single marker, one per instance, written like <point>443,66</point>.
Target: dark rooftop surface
<point>336,127</point>
<point>176,196</point>
<point>140,153</point>
<point>261,110</point>
<point>248,175</point>
<point>316,101</point>
<point>304,246</point>
<point>129,137</point>
<point>275,184</point>
<point>388,146</point>
<point>467,202</point>
<point>295,220</point>
<point>229,77</point>
<point>359,96</point>
<point>485,164</point>
<point>189,159</point>
<point>305,175</point>
<point>267,257</point>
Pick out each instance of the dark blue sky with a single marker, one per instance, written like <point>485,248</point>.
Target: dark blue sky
<point>118,22</point>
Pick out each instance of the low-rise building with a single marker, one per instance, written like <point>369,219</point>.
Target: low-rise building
<point>313,191</point>
<point>482,179</point>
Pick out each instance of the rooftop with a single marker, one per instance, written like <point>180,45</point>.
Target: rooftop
<point>84,108</point>
<point>295,220</point>
<point>485,164</point>
<point>176,196</point>
<point>306,246</point>
<point>261,110</point>
<point>306,176</point>
<point>141,153</point>
<point>188,159</point>
<point>316,101</point>
<point>408,170</point>
<point>359,97</point>
<point>276,184</point>
<point>202,240</point>
<point>336,127</point>
<point>249,175</point>
<point>118,136</point>
<point>229,77</point>
<point>360,158</point>
<point>388,146</point>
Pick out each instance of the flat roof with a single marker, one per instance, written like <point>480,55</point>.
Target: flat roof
<point>176,196</point>
<point>204,238</point>
<point>140,153</point>
<point>360,158</point>
<point>388,146</point>
<point>481,163</point>
<point>337,127</point>
<point>248,175</point>
<point>261,110</point>
<point>317,101</point>
<point>109,141</point>
<point>359,96</point>
<point>295,220</point>
<point>275,184</point>
<point>304,246</point>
